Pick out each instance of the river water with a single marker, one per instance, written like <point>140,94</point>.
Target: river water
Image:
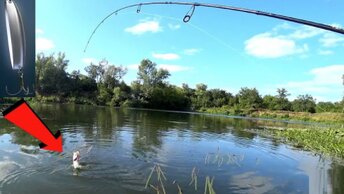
<point>119,148</point>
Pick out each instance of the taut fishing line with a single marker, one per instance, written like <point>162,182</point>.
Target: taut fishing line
<point>213,37</point>
<point>188,16</point>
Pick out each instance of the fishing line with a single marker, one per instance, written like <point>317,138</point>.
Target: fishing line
<point>211,36</point>
<point>249,60</point>
<point>188,16</point>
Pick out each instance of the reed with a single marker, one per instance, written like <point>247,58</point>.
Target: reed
<point>180,191</point>
<point>194,178</point>
<point>160,178</point>
<point>219,159</point>
<point>208,187</point>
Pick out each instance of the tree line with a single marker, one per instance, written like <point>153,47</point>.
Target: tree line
<point>104,85</point>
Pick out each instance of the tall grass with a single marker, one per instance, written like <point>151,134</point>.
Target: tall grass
<point>323,117</point>
<point>194,178</point>
<point>160,177</point>
<point>159,187</point>
<point>208,187</point>
<point>219,159</point>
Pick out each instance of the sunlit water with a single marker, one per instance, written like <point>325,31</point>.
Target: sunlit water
<point>119,148</point>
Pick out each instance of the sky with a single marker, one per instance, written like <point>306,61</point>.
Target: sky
<point>223,49</point>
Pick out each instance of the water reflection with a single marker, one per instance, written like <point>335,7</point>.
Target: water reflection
<point>119,147</point>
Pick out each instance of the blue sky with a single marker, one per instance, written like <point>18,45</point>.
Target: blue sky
<point>223,49</point>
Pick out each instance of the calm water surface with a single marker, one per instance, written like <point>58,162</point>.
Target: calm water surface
<point>119,148</point>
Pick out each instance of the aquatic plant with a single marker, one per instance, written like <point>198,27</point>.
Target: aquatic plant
<point>219,159</point>
<point>208,187</point>
<point>194,178</point>
<point>180,191</point>
<point>326,141</point>
<point>160,177</point>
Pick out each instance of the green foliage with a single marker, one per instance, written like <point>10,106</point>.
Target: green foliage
<point>121,94</point>
<point>278,102</point>
<point>304,103</point>
<point>249,98</point>
<point>326,107</point>
<point>150,76</point>
<point>104,96</point>
<point>327,141</point>
<point>201,97</point>
<point>281,100</point>
<point>269,102</point>
<point>103,85</point>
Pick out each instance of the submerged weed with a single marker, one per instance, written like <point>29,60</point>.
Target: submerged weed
<point>160,178</point>
<point>194,178</point>
<point>208,187</point>
<point>219,159</point>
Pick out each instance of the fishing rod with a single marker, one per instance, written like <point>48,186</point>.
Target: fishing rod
<point>189,14</point>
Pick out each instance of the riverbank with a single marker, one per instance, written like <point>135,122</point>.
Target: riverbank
<point>324,117</point>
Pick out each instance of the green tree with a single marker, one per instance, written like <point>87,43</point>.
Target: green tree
<point>269,102</point>
<point>249,98</point>
<point>121,94</point>
<point>281,100</point>
<point>201,99</point>
<point>52,76</point>
<point>325,107</point>
<point>150,76</point>
<point>304,103</point>
<point>219,98</point>
<point>148,79</point>
<point>96,72</point>
<point>113,75</point>
<point>42,63</point>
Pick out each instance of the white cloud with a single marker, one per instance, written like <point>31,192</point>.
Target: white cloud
<point>88,61</point>
<point>328,75</point>
<point>325,52</point>
<point>305,32</point>
<point>331,40</point>
<point>173,68</point>
<point>174,26</point>
<point>166,56</point>
<point>268,46</point>
<point>169,67</point>
<point>286,39</point>
<point>283,26</point>
<point>133,67</point>
<point>39,31</point>
<point>43,44</point>
<point>191,51</point>
<point>326,82</point>
<point>145,26</point>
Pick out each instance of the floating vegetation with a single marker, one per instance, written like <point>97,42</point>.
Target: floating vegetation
<point>327,141</point>
<point>208,187</point>
<point>160,177</point>
<point>219,159</point>
<point>194,177</point>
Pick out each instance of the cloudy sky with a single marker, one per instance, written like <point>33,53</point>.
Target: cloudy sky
<point>223,49</point>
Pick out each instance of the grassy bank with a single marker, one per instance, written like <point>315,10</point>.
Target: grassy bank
<point>326,141</point>
<point>325,117</point>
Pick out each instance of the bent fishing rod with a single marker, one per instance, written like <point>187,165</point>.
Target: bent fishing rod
<point>189,14</point>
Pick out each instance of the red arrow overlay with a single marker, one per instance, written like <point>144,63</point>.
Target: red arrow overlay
<point>22,115</point>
